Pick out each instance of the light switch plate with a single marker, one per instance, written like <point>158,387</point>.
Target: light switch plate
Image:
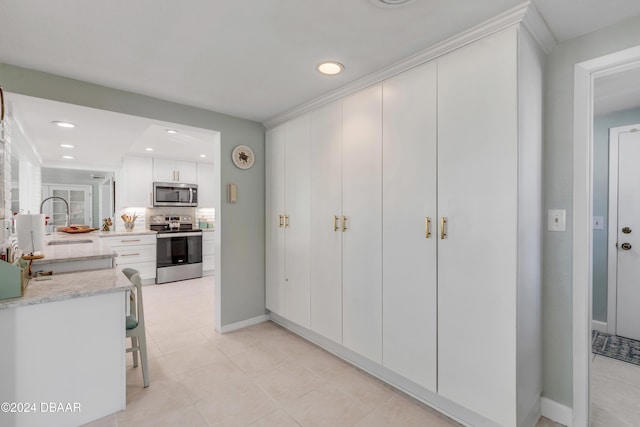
<point>557,220</point>
<point>598,223</point>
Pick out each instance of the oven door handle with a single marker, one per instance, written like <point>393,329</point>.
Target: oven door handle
<point>187,234</point>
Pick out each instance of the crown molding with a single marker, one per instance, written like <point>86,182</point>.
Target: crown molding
<point>511,17</point>
<point>537,26</point>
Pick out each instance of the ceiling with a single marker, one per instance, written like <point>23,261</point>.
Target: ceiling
<point>246,58</point>
<point>617,92</point>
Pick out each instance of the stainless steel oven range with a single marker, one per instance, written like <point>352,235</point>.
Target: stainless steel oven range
<point>178,249</point>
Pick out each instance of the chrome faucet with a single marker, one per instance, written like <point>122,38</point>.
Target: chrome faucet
<point>65,202</point>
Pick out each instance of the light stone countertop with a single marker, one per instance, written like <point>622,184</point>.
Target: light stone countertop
<point>60,287</point>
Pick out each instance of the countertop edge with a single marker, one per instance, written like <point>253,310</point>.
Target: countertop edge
<point>21,302</point>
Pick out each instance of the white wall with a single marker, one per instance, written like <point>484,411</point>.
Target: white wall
<point>558,194</point>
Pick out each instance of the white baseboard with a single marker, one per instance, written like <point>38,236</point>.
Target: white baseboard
<point>599,326</point>
<point>556,411</point>
<point>244,323</point>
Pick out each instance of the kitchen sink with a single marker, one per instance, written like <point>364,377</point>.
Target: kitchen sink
<point>70,241</point>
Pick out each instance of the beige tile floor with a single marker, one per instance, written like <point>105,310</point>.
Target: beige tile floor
<point>615,393</point>
<point>258,376</point>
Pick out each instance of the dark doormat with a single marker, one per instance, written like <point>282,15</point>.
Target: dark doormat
<point>616,347</point>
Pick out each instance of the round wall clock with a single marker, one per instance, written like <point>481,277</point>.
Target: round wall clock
<point>243,157</point>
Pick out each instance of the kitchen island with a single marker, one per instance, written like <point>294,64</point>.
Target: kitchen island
<point>62,349</point>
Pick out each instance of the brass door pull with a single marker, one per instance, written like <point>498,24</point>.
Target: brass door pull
<point>626,246</point>
<point>286,221</point>
<point>280,223</point>
<point>427,227</point>
<point>335,223</point>
<point>443,231</point>
<point>344,224</point>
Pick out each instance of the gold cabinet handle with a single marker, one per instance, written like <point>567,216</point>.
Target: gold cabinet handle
<point>335,223</point>
<point>427,227</point>
<point>344,224</point>
<point>280,223</point>
<point>443,232</point>
<point>286,221</point>
<point>135,254</point>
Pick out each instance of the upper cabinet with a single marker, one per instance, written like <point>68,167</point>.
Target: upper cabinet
<point>207,184</point>
<point>134,188</point>
<point>166,170</point>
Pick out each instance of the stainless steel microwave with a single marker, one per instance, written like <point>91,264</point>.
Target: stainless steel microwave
<point>175,194</point>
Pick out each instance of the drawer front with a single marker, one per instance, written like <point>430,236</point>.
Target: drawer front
<point>135,254</point>
<point>149,239</point>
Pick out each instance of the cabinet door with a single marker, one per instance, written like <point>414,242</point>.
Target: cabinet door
<point>136,184</point>
<point>477,194</point>
<point>362,206</point>
<point>296,190</point>
<point>164,170</point>
<point>409,195</point>
<point>274,177</point>
<point>186,172</point>
<point>207,185</point>
<point>326,204</point>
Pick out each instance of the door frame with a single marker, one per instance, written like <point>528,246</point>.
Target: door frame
<point>612,233</point>
<point>584,75</point>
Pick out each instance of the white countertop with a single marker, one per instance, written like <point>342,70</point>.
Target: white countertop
<point>59,287</point>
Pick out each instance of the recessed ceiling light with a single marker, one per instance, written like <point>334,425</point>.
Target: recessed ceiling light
<point>171,131</point>
<point>63,124</point>
<point>149,149</point>
<point>68,157</point>
<point>66,145</point>
<point>203,155</point>
<point>330,68</point>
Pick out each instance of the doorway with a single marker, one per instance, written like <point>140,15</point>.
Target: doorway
<point>584,76</point>
<point>623,303</point>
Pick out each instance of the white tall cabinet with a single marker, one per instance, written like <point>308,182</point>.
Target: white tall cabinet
<point>287,221</point>
<point>409,221</point>
<point>362,216</point>
<point>326,221</point>
<point>424,229</point>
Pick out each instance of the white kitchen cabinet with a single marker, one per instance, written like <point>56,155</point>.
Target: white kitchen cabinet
<point>208,252</point>
<point>287,221</point>
<point>326,219</point>
<point>167,170</point>
<point>134,189</point>
<point>409,224</point>
<point>362,220</point>
<point>135,251</point>
<point>207,184</point>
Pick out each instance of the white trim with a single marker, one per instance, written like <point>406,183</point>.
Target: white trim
<point>584,74</point>
<point>535,23</point>
<point>556,411</point>
<point>599,326</point>
<point>500,22</point>
<point>429,398</point>
<point>244,323</point>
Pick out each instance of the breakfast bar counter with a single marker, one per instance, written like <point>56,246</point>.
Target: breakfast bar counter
<point>63,343</point>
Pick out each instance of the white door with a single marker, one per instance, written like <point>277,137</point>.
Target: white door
<point>207,185</point>
<point>409,221</point>
<point>164,170</point>
<point>274,164</point>
<point>477,196</point>
<point>362,209</point>
<point>326,210</point>
<point>628,233</point>
<point>80,205</point>
<point>296,231</point>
